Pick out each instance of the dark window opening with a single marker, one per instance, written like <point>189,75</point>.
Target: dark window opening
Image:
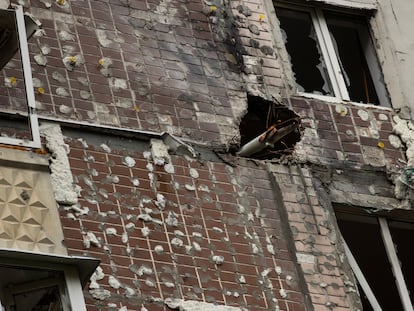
<point>332,54</point>
<point>17,91</point>
<point>303,47</point>
<point>364,237</point>
<point>23,289</point>
<point>271,129</point>
<point>348,43</point>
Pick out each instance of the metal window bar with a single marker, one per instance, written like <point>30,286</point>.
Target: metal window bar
<point>395,264</point>
<point>330,55</point>
<point>28,82</point>
<point>361,278</point>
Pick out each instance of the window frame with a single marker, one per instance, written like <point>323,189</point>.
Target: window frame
<point>392,257</point>
<point>331,57</point>
<point>22,288</point>
<point>76,271</point>
<point>28,82</point>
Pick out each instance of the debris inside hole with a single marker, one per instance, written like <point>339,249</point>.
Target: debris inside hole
<point>269,130</point>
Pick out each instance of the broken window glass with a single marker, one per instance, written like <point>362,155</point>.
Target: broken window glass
<point>364,237</point>
<point>332,54</point>
<point>306,58</point>
<point>345,33</point>
<point>32,290</point>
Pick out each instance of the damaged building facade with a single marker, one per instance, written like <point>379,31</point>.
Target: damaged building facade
<point>206,155</point>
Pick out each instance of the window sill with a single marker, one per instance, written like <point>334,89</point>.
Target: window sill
<point>336,100</point>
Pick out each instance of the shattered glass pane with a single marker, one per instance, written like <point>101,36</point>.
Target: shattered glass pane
<point>305,55</point>
<point>345,35</point>
<point>24,289</point>
<point>42,299</point>
<point>402,235</point>
<point>369,251</point>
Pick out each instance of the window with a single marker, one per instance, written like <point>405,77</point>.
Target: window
<point>40,282</point>
<point>31,289</point>
<point>332,54</point>
<point>379,250</point>
<point>15,28</point>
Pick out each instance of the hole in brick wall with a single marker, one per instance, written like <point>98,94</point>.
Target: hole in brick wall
<point>268,130</point>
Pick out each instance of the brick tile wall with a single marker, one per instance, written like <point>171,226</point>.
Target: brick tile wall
<point>211,209</point>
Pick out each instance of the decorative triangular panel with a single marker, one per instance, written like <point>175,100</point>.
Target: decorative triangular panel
<point>5,236</point>
<point>4,194</point>
<point>11,218</point>
<point>34,216</point>
<point>45,240</point>
<point>5,177</point>
<point>23,179</point>
<point>29,219</point>
<point>35,201</point>
<point>12,212</point>
<point>25,238</point>
<point>15,197</point>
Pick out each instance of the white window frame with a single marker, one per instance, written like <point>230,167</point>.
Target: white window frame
<point>331,58</point>
<point>395,265</point>
<point>28,81</point>
<point>76,271</point>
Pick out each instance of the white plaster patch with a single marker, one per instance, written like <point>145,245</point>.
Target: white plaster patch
<point>90,239</point>
<point>218,259</point>
<point>149,282</point>
<point>106,148</point>
<point>341,109</point>
<point>177,242</point>
<point>40,59</point>
<point>147,155</point>
<point>145,231</point>
<point>196,247</point>
<point>171,219</point>
<point>110,231</point>
<point>282,293</point>
<point>395,141</point>
<point>100,293</point>
<point>189,187</point>
<point>118,84</point>
<point>144,270</point>
<point>61,175</point>
<point>192,305</point>
<point>124,237</point>
<point>113,282</point>
<point>305,258</point>
<point>169,168</point>
<point>194,173</point>
<point>65,109</point>
<point>128,161</point>
<point>363,115</point>
<point>159,249</point>
<point>382,117</point>
<point>161,201</point>
<point>145,217</point>
<point>96,276</point>
<point>159,152</point>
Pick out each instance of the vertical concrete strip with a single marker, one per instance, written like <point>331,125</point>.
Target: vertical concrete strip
<point>278,199</point>
<point>61,176</point>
